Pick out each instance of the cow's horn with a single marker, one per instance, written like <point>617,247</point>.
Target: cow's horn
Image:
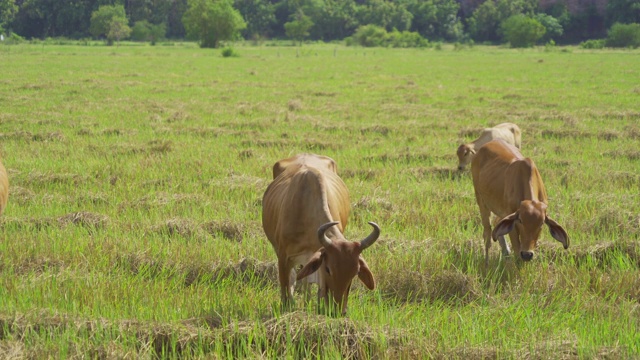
<point>369,240</point>
<point>324,240</point>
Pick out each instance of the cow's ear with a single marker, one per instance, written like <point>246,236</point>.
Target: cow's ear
<point>505,225</point>
<point>365,274</point>
<point>472,151</point>
<point>312,265</point>
<point>557,232</point>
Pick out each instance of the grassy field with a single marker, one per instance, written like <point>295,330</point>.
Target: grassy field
<point>133,226</point>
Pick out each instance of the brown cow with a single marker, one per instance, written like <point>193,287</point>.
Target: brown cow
<point>4,188</point>
<point>506,131</point>
<point>304,214</point>
<point>510,186</point>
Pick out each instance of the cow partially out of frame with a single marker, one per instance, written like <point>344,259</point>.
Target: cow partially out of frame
<point>304,215</point>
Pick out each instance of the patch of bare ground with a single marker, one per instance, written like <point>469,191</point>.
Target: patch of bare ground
<point>470,132</point>
<point>278,144</point>
<point>245,125</point>
<point>616,220</point>
<point>29,136</point>
<point>368,174</point>
<point>403,158</point>
<point>311,335</point>
<point>227,229</point>
<point>633,132</point>
<point>324,94</point>
<point>246,270</point>
<point>89,220</point>
<point>84,218</point>
<point>579,134</point>
<point>296,334</point>
<point>294,105</point>
<point>377,129</point>
<point>152,147</point>
<point>449,286</point>
<point>370,203</point>
<point>160,199</point>
<point>205,132</point>
<point>604,253</point>
<point>21,195</point>
<point>320,127</point>
<point>180,227</point>
<point>628,154</point>
<point>117,132</point>
<point>437,172</point>
<point>39,178</point>
<point>619,115</point>
<point>189,229</point>
<point>37,264</point>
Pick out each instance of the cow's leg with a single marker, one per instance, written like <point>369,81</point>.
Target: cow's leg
<point>505,246</point>
<point>485,215</point>
<point>285,275</point>
<point>514,236</point>
<point>506,251</point>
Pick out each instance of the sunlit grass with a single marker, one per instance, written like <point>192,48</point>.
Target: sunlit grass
<point>133,225</point>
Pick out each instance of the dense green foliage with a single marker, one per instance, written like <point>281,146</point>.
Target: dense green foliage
<point>298,27</point>
<point>521,31</point>
<point>133,226</point>
<point>212,21</point>
<point>109,22</point>
<point>623,35</point>
<point>146,31</point>
<point>372,36</point>
<point>435,20</point>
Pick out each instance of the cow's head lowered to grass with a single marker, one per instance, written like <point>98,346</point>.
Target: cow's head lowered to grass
<point>337,263</point>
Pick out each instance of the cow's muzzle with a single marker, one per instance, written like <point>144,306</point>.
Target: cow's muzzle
<point>526,255</point>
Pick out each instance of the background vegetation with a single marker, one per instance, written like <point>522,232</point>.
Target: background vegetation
<point>133,225</point>
<point>209,21</point>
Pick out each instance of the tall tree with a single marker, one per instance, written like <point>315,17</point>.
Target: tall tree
<point>387,14</point>
<point>212,21</point>
<point>622,11</point>
<point>298,28</point>
<point>484,24</point>
<point>436,19</point>
<point>8,10</point>
<point>259,15</point>
<point>103,19</point>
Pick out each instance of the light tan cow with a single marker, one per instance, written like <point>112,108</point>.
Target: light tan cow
<point>304,214</point>
<point>506,131</point>
<point>4,188</point>
<point>509,185</point>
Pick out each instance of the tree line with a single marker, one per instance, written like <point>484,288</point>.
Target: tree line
<point>212,21</point>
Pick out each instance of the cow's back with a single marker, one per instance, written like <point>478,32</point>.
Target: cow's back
<point>300,199</point>
<point>508,132</point>
<point>312,160</point>
<point>489,171</point>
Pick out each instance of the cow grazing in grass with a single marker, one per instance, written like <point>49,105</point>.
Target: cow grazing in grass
<point>506,131</point>
<point>509,185</point>
<point>4,188</point>
<point>304,214</point>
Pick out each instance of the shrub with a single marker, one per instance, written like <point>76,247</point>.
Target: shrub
<point>370,36</point>
<point>521,31</point>
<point>623,35</point>
<point>229,52</point>
<point>406,39</point>
<point>592,44</point>
<point>553,28</point>
<point>14,38</point>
